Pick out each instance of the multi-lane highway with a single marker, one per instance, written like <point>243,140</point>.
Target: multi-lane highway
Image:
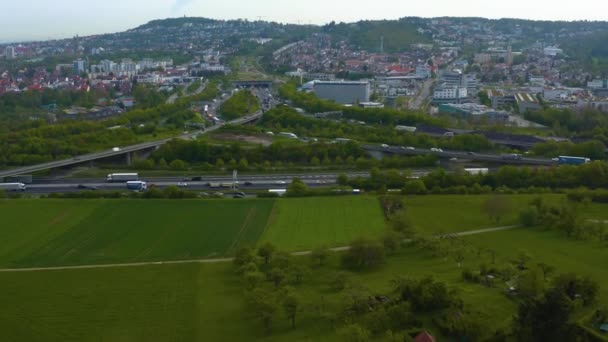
<point>253,182</point>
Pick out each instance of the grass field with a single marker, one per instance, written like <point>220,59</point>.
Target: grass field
<point>52,233</point>
<point>64,232</point>
<point>205,302</point>
<point>450,213</point>
<point>195,302</point>
<point>566,255</point>
<point>305,223</point>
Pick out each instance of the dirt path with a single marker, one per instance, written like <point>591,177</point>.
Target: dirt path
<point>215,261</point>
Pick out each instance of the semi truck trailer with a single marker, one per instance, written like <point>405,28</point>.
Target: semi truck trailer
<point>122,177</point>
<point>12,186</point>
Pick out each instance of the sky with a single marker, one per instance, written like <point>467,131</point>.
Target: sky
<point>50,19</point>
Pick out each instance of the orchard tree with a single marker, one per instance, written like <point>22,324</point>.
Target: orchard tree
<point>266,251</point>
<point>496,207</point>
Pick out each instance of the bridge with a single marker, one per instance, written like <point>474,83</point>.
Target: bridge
<point>126,150</point>
<point>253,84</point>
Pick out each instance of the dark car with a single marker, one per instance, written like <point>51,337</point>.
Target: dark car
<point>197,179</point>
<point>87,187</point>
<point>247,184</point>
<point>471,153</point>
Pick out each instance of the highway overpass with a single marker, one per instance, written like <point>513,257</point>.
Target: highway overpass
<point>124,150</point>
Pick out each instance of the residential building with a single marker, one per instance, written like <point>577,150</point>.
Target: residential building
<point>483,58</point>
<point>80,66</point>
<point>10,52</point>
<point>471,83</point>
<point>538,81</point>
<point>552,51</point>
<point>343,92</point>
<point>450,94</point>
<point>598,84</point>
<point>500,99</point>
<point>601,105</point>
<point>424,71</point>
<point>424,337</point>
<point>452,78</point>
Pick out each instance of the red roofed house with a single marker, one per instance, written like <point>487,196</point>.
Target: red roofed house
<point>424,337</point>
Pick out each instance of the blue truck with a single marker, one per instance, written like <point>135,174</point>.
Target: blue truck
<point>567,160</point>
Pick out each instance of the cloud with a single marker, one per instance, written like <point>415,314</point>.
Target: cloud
<point>180,4</point>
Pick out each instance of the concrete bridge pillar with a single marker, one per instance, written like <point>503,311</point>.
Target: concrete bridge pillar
<point>129,159</point>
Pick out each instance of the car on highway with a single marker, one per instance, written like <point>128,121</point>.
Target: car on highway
<point>384,146</point>
<point>197,179</point>
<point>247,184</point>
<point>434,149</point>
<point>182,185</point>
<point>238,196</point>
<point>280,182</point>
<point>86,187</point>
<point>407,148</point>
<point>116,149</point>
<point>471,153</point>
<point>217,194</point>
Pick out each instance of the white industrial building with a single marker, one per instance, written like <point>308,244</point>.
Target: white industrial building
<point>343,92</point>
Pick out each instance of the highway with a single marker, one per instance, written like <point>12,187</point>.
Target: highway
<point>485,157</point>
<point>246,182</point>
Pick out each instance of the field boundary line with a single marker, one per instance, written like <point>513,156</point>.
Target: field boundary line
<point>221,260</point>
<point>244,227</point>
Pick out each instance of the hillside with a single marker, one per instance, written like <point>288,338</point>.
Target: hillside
<point>398,34</point>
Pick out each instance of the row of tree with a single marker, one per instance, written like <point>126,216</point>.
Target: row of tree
<point>591,175</point>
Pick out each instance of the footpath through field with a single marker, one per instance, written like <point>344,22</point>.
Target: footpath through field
<point>213,261</point>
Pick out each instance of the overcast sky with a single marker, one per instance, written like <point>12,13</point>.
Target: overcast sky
<point>43,19</point>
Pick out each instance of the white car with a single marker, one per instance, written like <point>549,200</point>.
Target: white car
<point>384,146</point>
<point>280,182</point>
<point>182,184</point>
<point>116,149</point>
<point>434,149</point>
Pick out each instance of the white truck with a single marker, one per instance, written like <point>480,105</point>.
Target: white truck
<point>122,177</point>
<point>12,186</point>
<point>137,186</point>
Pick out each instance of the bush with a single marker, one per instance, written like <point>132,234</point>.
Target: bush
<point>364,254</point>
<point>529,216</point>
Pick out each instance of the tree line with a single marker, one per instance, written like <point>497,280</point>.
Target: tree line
<point>279,154</point>
<point>590,175</point>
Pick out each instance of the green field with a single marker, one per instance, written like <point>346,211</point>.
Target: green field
<point>53,233</point>
<point>69,232</point>
<point>566,255</point>
<point>453,213</point>
<point>305,223</point>
<point>205,302</point>
<point>195,302</point>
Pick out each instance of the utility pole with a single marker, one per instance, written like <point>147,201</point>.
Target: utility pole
<point>381,44</point>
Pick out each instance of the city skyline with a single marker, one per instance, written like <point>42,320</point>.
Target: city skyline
<point>36,20</point>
